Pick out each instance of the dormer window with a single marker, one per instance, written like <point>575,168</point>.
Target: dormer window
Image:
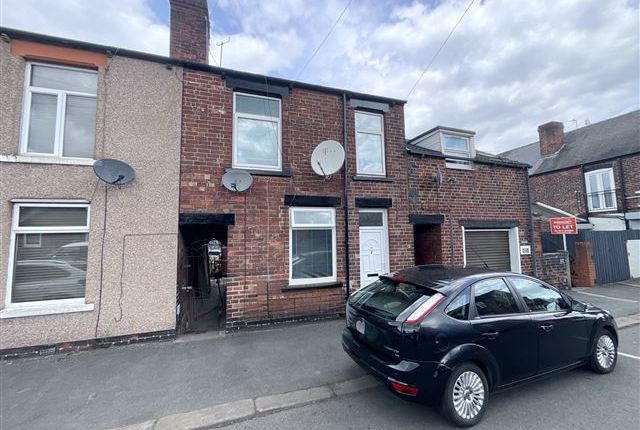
<point>458,147</point>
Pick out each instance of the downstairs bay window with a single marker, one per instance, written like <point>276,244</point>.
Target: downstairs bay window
<point>48,257</point>
<point>312,245</point>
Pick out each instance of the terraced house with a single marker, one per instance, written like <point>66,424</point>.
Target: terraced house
<point>176,250</point>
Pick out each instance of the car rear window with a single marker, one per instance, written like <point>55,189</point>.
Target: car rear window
<point>388,298</point>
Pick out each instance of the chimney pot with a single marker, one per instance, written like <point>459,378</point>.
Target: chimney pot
<point>551,136</point>
<point>189,39</point>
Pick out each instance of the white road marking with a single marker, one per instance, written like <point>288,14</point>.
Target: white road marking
<point>628,355</point>
<point>607,297</point>
<point>628,285</point>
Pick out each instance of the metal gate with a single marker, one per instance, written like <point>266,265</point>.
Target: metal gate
<point>610,254</point>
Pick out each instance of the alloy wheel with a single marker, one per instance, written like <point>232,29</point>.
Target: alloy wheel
<point>468,395</point>
<point>605,351</point>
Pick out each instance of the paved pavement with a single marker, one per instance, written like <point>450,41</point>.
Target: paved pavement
<point>108,388</point>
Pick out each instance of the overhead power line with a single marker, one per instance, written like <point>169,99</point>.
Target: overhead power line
<point>439,49</point>
<point>323,40</point>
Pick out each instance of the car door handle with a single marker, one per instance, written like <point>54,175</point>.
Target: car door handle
<point>547,327</point>
<point>490,334</point>
<point>372,274</point>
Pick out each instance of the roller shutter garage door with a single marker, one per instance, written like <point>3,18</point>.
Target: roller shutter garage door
<point>488,249</point>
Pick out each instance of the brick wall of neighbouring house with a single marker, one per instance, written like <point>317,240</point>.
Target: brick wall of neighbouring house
<point>554,269</point>
<point>565,189</point>
<point>258,243</point>
<point>485,193</point>
<point>631,169</point>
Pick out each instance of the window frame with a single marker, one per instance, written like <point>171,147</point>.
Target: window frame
<point>61,100</point>
<point>452,163</point>
<point>601,193</point>
<point>332,226</point>
<point>234,163</point>
<point>380,133</point>
<point>543,284</point>
<point>41,306</point>
<point>473,312</point>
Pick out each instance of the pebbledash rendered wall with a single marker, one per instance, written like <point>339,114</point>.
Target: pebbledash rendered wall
<point>138,121</point>
<point>258,243</point>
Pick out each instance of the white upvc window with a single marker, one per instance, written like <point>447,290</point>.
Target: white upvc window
<point>601,190</point>
<point>312,245</point>
<point>370,144</point>
<point>59,111</point>
<point>457,146</point>
<point>49,277</point>
<point>257,140</point>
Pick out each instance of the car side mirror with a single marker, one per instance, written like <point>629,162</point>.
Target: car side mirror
<point>578,306</point>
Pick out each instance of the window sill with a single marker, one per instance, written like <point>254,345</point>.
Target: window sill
<point>603,210</point>
<point>459,166</point>
<point>296,287</point>
<point>257,172</point>
<point>29,311</point>
<point>37,159</point>
<point>371,178</point>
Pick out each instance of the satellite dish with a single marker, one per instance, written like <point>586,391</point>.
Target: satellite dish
<point>327,158</point>
<point>113,172</point>
<point>237,180</point>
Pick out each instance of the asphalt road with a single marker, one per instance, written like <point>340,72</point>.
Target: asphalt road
<point>578,399</point>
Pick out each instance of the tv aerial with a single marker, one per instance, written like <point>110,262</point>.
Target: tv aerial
<point>237,181</point>
<point>327,158</point>
<point>113,172</point>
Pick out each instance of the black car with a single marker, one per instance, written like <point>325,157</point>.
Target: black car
<point>451,336</point>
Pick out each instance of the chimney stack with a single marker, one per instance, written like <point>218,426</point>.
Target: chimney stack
<point>189,38</point>
<point>551,137</point>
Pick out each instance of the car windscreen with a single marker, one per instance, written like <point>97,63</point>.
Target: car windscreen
<point>388,298</point>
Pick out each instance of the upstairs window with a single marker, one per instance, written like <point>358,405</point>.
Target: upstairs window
<point>601,190</point>
<point>256,132</point>
<point>59,116</point>
<point>49,254</point>
<point>369,144</point>
<point>457,146</point>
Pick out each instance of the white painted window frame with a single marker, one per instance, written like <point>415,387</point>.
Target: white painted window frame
<point>385,238</point>
<point>267,118</point>
<point>601,197</point>
<point>514,246</point>
<point>469,153</point>
<point>42,307</point>
<point>380,133</point>
<point>332,226</point>
<point>60,113</point>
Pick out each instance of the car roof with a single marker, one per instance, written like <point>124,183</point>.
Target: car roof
<point>443,278</point>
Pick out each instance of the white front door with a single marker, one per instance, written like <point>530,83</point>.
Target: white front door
<point>374,255</point>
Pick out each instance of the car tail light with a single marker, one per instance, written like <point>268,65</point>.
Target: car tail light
<point>424,309</point>
<point>402,388</point>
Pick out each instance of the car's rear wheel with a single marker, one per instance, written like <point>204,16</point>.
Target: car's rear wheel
<point>466,395</point>
<point>605,353</point>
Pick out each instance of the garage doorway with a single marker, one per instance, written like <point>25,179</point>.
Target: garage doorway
<point>495,249</point>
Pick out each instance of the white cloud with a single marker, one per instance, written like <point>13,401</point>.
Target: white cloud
<point>510,65</point>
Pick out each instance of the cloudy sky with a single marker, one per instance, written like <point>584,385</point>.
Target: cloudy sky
<point>510,65</point>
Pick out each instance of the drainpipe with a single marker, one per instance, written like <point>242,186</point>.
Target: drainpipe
<point>530,218</point>
<point>623,190</point>
<point>346,198</point>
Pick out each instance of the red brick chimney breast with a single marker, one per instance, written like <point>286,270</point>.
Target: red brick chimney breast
<point>551,137</point>
<point>189,38</point>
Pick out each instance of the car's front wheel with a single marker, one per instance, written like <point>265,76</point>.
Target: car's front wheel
<point>466,395</point>
<point>605,353</point>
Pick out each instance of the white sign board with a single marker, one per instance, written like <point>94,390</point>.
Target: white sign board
<point>525,249</point>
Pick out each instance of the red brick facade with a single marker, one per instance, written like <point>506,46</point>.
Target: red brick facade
<point>485,193</point>
<point>565,189</point>
<point>258,243</point>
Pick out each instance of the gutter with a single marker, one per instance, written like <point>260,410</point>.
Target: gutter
<point>623,190</point>
<point>534,263</point>
<point>492,162</point>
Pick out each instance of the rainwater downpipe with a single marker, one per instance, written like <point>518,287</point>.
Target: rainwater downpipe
<point>530,218</point>
<point>346,199</point>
